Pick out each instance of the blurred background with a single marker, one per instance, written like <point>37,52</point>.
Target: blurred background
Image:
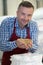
<point>9,8</point>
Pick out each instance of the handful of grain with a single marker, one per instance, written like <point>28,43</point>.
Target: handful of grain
<point>26,41</point>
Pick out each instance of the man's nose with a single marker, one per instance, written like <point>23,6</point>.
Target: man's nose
<point>26,17</point>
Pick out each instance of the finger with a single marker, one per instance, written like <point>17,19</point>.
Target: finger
<point>29,45</point>
<point>22,46</point>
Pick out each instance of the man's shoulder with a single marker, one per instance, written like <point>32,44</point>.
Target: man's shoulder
<point>8,20</point>
<point>33,23</point>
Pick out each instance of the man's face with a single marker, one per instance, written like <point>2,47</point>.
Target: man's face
<point>24,15</point>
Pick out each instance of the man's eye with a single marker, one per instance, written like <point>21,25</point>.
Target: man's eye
<point>23,14</point>
<point>29,14</point>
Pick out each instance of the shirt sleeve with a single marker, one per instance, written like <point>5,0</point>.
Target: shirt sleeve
<point>5,44</point>
<point>34,36</point>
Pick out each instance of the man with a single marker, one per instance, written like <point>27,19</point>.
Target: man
<point>13,29</point>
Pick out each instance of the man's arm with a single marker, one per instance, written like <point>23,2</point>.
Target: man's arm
<point>34,36</point>
<point>5,33</point>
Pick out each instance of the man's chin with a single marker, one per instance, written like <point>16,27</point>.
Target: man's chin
<point>24,25</point>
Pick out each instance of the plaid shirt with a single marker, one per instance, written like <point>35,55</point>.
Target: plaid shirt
<point>6,29</point>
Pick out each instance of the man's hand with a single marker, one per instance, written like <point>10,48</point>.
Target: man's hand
<point>20,44</point>
<point>23,45</point>
<point>29,45</point>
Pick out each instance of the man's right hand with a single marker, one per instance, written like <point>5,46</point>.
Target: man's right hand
<point>21,44</point>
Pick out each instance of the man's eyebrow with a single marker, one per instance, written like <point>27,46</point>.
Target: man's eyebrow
<point>29,14</point>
